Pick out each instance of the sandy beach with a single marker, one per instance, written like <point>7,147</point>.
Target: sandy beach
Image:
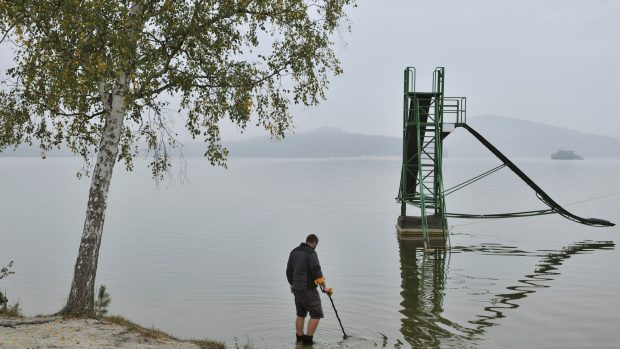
<point>57,332</point>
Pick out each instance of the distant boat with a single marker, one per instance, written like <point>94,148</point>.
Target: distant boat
<point>565,155</point>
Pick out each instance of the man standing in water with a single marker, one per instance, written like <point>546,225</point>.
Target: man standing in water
<point>303,272</point>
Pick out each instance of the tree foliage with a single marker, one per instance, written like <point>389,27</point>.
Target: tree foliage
<point>96,76</point>
<point>241,60</point>
<point>6,270</point>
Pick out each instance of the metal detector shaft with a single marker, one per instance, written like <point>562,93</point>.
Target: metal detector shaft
<point>336,311</point>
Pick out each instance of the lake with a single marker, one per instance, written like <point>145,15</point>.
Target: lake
<point>203,253</point>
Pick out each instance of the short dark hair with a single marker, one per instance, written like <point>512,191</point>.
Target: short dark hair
<point>312,238</point>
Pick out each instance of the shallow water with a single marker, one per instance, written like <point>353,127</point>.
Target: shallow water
<point>206,257</point>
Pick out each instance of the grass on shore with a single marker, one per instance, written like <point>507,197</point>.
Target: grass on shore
<point>208,344</point>
<point>154,333</point>
<point>14,310</point>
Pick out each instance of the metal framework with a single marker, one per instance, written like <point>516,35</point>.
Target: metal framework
<point>424,128</point>
<point>428,117</point>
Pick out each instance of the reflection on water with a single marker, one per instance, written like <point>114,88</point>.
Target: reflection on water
<point>424,279</point>
<point>546,270</point>
<point>492,249</point>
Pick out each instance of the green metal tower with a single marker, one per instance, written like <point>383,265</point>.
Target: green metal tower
<point>421,184</point>
<point>428,117</point>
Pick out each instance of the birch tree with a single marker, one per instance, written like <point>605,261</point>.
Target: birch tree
<point>94,76</point>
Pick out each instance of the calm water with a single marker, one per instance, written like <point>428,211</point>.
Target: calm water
<point>204,254</point>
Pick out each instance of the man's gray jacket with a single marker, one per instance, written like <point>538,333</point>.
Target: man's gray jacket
<point>303,268</point>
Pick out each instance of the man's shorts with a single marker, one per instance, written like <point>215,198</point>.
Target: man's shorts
<point>308,301</point>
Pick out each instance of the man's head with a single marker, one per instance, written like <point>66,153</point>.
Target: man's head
<point>312,240</point>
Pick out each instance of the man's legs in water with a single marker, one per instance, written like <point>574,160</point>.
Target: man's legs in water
<point>312,325</point>
<point>299,326</point>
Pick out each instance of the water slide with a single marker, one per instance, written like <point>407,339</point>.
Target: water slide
<point>411,140</point>
<point>554,206</point>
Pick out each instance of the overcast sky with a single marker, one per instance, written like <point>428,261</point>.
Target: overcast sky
<point>554,62</point>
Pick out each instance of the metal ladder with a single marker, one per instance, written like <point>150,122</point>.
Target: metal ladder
<point>423,115</point>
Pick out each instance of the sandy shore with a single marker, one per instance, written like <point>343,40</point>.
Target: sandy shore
<point>56,332</point>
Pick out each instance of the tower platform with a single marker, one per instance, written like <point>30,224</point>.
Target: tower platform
<point>410,228</point>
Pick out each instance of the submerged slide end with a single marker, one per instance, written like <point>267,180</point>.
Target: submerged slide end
<point>601,222</point>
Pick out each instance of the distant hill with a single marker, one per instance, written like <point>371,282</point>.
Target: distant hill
<point>515,138</point>
<point>323,142</point>
<point>519,138</point>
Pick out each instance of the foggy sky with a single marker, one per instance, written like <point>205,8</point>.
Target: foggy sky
<point>554,62</point>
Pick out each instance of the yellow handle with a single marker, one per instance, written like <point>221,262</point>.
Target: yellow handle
<point>319,281</point>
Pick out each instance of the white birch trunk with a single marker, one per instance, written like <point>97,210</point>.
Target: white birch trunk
<point>81,296</point>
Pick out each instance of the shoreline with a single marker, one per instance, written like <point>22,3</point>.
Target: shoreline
<point>105,332</point>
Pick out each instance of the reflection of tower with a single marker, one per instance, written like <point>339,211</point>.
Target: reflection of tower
<point>424,278</point>
<point>423,288</point>
<point>547,269</point>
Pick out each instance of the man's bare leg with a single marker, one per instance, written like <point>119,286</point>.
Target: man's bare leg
<point>299,326</point>
<point>312,325</point>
